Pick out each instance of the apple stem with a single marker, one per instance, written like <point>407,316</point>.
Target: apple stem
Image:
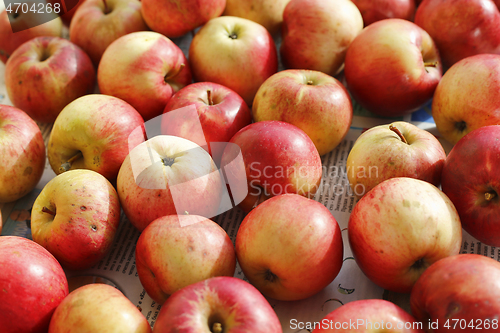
<point>431,64</point>
<point>489,196</point>
<point>217,328</point>
<point>105,6</point>
<point>310,82</point>
<point>48,211</point>
<point>67,165</point>
<point>398,132</point>
<point>174,74</point>
<point>209,97</point>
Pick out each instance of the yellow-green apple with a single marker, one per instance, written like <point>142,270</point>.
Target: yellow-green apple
<point>14,32</point>
<point>399,149</point>
<point>290,247</point>
<point>152,69</point>
<point>369,316</point>
<point>400,228</point>
<point>459,294</point>
<point>471,179</point>
<point>461,28</point>
<point>235,52</point>
<point>466,97</point>
<point>47,73</point>
<point>392,67</point>
<point>168,175</point>
<point>220,112</point>
<point>94,132</point>
<point>33,285</point>
<point>98,23</point>
<point>75,218</point>
<point>317,33</point>
<point>313,101</point>
<point>176,18</point>
<point>68,9</point>
<point>268,13</point>
<point>23,151</point>
<point>175,251</point>
<point>376,10</point>
<point>278,158</point>
<point>219,304</point>
<point>98,307</point>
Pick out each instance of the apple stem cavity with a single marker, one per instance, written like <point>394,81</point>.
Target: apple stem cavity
<point>168,161</point>
<point>169,76</point>
<point>106,9</point>
<point>270,276</point>
<point>398,132</point>
<point>67,165</point>
<point>216,328</point>
<point>48,211</point>
<point>488,196</point>
<point>209,98</point>
<point>310,82</point>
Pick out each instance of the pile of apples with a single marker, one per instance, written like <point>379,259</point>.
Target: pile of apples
<point>174,140</point>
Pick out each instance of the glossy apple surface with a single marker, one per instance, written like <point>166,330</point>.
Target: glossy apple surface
<point>376,10</point>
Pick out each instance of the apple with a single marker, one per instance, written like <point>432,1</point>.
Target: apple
<point>461,28</point>
<point>23,151</point>
<point>163,71</point>
<point>219,304</point>
<point>278,158</point>
<point>98,23</point>
<point>466,97</point>
<point>471,179</point>
<point>68,9</point>
<point>313,101</point>
<point>392,67</point>
<point>369,315</point>
<point>290,247</point>
<point>376,10</point>
<point>33,285</point>
<point>399,149</point>
<point>459,293</point>
<point>21,27</point>
<point>218,110</point>
<point>175,251</point>
<point>168,175</point>
<point>235,52</point>
<point>316,34</point>
<point>47,73</point>
<point>98,308</point>
<point>268,13</point>
<point>94,132</point>
<point>400,228</point>
<point>75,218</point>
<point>176,18</point>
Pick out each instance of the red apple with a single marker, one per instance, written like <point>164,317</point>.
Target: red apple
<point>176,18</point>
<point>235,52</point>
<point>23,151</point>
<point>163,70</point>
<point>376,10</point>
<point>392,67</point>
<point>47,73</point>
<point>461,28</point>
<point>471,179</point>
<point>219,304</point>
<point>33,285</point>
<point>68,8</point>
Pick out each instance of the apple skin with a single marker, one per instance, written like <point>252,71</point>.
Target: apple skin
<point>98,23</point>
<point>400,228</point>
<point>68,16</point>
<point>392,67</point>
<point>235,52</point>
<point>103,128</point>
<point>98,308</point>
<point>152,69</point>
<point>458,290</point>
<point>381,149</point>
<point>290,247</point>
<point>313,101</point>
<point>377,10</point>
<point>229,301</point>
<point>471,179</point>
<point>175,251</point>
<point>33,284</point>
<point>461,28</point>
<point>87,214</point>
<point>168,175</point>
<point>466,97</point>
<point>47,73</point>
<point>23,149</point>
<point>316,34</point>
<point>366,314</point>
<point>10,41</point>
<point>176,18</point>
<point>278,158</point>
